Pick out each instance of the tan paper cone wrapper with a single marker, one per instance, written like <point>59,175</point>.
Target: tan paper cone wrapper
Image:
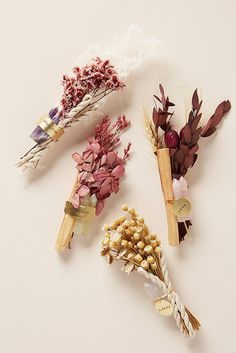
<point>164,165</point>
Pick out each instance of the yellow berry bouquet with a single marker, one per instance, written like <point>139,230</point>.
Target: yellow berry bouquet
<point>129,240</point>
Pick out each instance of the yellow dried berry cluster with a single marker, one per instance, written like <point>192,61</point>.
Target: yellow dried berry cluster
<point>130,233</point>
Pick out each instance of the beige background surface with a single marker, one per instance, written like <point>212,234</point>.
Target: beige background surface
<point>76,303</point>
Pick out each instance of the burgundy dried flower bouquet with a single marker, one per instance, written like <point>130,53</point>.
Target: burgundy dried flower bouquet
<point>83,92</point>
<point>176,154</point>
<point>99,171</point>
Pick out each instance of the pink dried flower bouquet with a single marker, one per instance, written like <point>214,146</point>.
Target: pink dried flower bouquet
<point>84,91</point>
<point>99,171</point>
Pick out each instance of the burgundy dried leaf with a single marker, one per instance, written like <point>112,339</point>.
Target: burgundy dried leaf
<point>154,116</point>
<point>206,127</point>
<point>209,132</point>
<point>183,170</point>
<point>185,134</point>
<point>194,159</point>
<point>194,149</point>
<point>188,161</point>
<point>195,100</point>
<point>196,135</point>
<point>179,156</point>
<point>161,90</point>
<point>184,148</point>
<point>220,112</point>
<point>176,165</point>
<point>172,151</point>
<point>196,122</point>
<point>157,98</point>
<point>191,118</point>
<point>159,118</point>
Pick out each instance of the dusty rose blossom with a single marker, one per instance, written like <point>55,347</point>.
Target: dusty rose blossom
<point>95,78</point>
<point>100,167</point>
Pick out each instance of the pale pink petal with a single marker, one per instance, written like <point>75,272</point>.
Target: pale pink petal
<point>103,159</point>
<point>77,158</point>
<point>100,174</point>
<point>111,157</point>
<point>86,167</point>
<point>83,176</point>
<point>118,171</point>
<point>75,201</point>
<point>95,147</point>
<point>106,187</point>
<point>83,191</point>
<point>99,206</point>
<point>115,186</point>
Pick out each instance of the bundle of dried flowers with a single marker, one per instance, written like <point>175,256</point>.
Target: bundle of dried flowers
<point>83,92</point>
<point>176,154</point>
<point>129,240</point>
<point>99,171</point>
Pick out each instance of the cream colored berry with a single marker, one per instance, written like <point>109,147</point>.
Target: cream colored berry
<point>132,222</point>
<point>150,259</point>
<point>106,227</point>
<point>124,207</point>
<point>131,255</point>
<point>127,231</point>
<point>125,224</point>
<point>148,249</point>
<point>154,266</point>
<point>136,237</point>
<point>124,243</point>
<point>116,237</point>
<point>139,230</point>
<point>145,264</point>
<point>130,244</point>
<point>141,245</point>
<point>138,258</point>
<point>105,241</point>
<point>120,229</point>
<point>157,250</point>
<point>154,243</point>
<point>153,236</point>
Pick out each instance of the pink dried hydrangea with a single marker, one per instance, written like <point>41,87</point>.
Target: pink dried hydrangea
<point>96,78</point>
<point>99,166</point>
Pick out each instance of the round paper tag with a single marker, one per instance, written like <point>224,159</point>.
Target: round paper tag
<point>164,307</point>
<point>181,207</point>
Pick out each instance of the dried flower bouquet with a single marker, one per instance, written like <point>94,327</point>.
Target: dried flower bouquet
<point>83,92</point>
<point>176,154</point>
<point>99,171</point>
<point>129,240</point>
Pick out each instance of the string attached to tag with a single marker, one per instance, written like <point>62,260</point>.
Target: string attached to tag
<point>163,306</point>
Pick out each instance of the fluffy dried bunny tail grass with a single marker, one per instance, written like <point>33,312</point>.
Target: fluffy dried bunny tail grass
<point>128,239</point>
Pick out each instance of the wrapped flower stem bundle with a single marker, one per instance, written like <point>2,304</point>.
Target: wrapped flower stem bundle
<point>86,90</point>
<point>129,240</point>
<point>176,153</point>
<point>99,171</point>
